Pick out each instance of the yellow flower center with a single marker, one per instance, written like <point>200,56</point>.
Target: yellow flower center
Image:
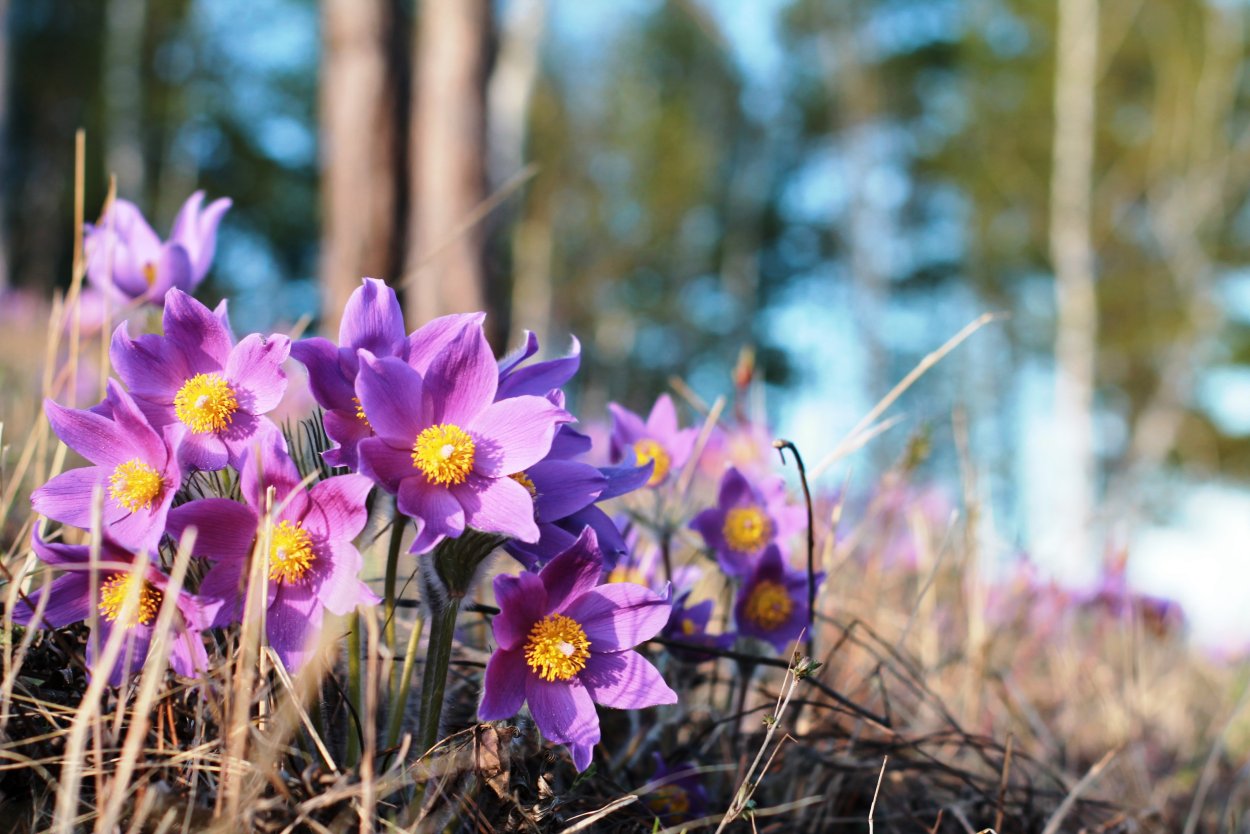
<point>670,801</point>
<point>149,273</point>
<point>205,403</point>
<point>627,573</point>
<point>746,529</point>
<point>290,553</point>
<point>135,485</point>
<point>769,605</point>
<point>688,627</point>
<point>648,450</point>
<point>524,480</point>
<point>360,412</point>
<point>444,453</point>
<point>113,597</point>
<point>557,648</point>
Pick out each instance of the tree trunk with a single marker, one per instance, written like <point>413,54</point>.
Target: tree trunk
<point>363,102</point>
<point>4,139</point>
<point>1068,538</point>
<point>444,267</point>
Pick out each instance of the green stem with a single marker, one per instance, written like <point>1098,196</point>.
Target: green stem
<point>434,679</point>
<point>405,684</point>
<point>398,522</point>
<point>353,686</point>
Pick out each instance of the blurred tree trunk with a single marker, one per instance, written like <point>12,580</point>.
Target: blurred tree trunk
<point>123,96</point>
<point>4,140</point>
<point>1073,472</point>
<point>363,104</point>
<point>444,266</point>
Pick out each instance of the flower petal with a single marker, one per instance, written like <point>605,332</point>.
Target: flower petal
<point>564,487</point>
<point>522,601</point>
<point>496,505</point>
<point>206,452</point>
<point>269,465</point>
<point>503,689</point>
<point>573,573</point>
<point>662,421</point>
<point>293,623</point>
<point>69,601</point>
<point>94,436</point>
<point>254,369</point>
<point>627,428</point>
<point>341,589</point>
<point>330,387</point>
<point>196,333</point>
<point>373,320</point>
<point>428,340</point>
<point>337,507</point>
<point>619,616</point>
<point>390,394</point>
<point>460,382</point>
<point>435,509</point>
<point>387,466</point>
<point>514,434</point>
<point>151,367</point>
<point>564,714</point>
<point>625,680</point>
<point>225,529</point>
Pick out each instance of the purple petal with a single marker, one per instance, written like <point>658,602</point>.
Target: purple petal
<point>390,393</point>
<point>226,583</point>
<point>206,452</point>
<point>503,690</point>
<point>69,601</point>
<point>564,487</point>
<point>173,271</point>
<point>270,466</point>
<point>293,623</point>
<point>225,529</point>
<point>373,320</point>
<point>347,430</point>
<point>619,616</point>
<point>573,573</point>
<point>495,505</point>
<point>539,378</point>
<point>627,428</point>
<point>427,341</point>
<point>568,443</point>
<point>341,589</point>
<point>662,422</point>
<point>625,479</point>
<point>246,434</point>
<point>735,491</point>
<point>337,507</point>
<point>611,544</point>
<point>460,382</point>
<point>516,357</point>
<point>625,680</point>
<point>433,508</point>
<point>385,465</point>
<point>196,333</point>
<point>150,366</point>
<point>254,369</point>
<point>330,387</point>
<point>514,434</point>
<point>67,497</point>
<point>564,714</point>
<point>522,601</point>
<point>97,438</point>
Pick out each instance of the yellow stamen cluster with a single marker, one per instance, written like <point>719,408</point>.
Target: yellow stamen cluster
<point>290,553</point>
<point>524,480</point>
<point>746,529</point>
<point>627,573</point>
<point>113,595</point>
<point>205,403</point>
<point>688,627</point>
<point>360,412</point>
<point>444,453</point>
<point>135,485</point>
<point>669,801</point>
<point>769,605</point>
<point>557,648</point>
<point>149,273</point>
<point>648,450</point>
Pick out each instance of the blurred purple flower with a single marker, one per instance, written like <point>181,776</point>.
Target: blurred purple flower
<point>681,798</point>
<point>195,375</point>
<point>446,449</point>
<point>565,643</point>
<point>313,564</point>
<point>643,564</point>
<point>746,519</point>
<point>127,260</point>
<point>373,321</point>
<point>772,602</point>
<point>659,440</point>
<point>689,625</point>
<point>71,599</point>
<point>747,446</point>
<point>135,466</point>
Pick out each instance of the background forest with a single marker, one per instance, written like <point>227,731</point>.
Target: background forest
<point>838,186</point>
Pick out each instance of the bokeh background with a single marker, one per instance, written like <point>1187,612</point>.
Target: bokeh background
<point>837,186</point>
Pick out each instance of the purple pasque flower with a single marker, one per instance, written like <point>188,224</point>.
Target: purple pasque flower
<point>196,376</point>
<point>643,564</point>
<point>135,466</point>
<point>746,446</point>
<point>746,519</point>
<point>565,643</point>
<point>659,440</point>
<point>72,596</point>
<point>373,321</point>
<point>516,378</point>
<point>688,624</point>
<point>772,602</point>
<point>681,797</point>
<point>565,492</point>
<point>446,448</point>
<point>313,565</point>
<point>127,260</point>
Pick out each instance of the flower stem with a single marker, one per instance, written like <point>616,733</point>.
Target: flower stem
<point>781,446</point>
<point>353,685</point>
<point>405,684</point>
<point>398,522</point>
<point>434,679</point>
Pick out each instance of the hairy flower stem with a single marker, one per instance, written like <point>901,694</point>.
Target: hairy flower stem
<point>398,522</point>
<point>405,684</point>
<point>434,680</point>
<point>353,685</point>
